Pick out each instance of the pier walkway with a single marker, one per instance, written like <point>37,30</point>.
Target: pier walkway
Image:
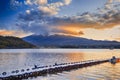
<point>50,69</point>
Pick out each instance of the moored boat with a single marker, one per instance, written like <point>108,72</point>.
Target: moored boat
<point>114,60</point>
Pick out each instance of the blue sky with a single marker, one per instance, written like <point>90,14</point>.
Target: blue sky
<point>69,17</point>
<point>7,8</point>
<point>81,6</point>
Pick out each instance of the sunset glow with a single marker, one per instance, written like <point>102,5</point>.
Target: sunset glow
<point>100,20</point>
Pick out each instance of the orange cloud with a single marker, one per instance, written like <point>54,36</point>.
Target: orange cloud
<point>118,39</point>
<point>71,30</point>
<point>88,25</point>
<point>6,32</point>
<point>80,33</point>
<point>13,33</point>
<point>78,28</point>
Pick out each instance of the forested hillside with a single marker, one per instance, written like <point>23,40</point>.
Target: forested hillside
<point>14,42</point>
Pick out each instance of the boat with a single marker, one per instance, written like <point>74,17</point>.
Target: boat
<point>114,60</point>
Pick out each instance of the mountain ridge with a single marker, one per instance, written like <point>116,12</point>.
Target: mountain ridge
<point>63,41</point>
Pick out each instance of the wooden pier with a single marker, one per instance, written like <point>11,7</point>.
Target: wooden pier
<point>51,69</point>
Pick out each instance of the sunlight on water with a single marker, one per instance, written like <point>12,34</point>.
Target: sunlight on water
<point>27,58</point>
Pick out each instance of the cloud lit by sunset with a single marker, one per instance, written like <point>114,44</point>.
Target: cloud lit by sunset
<point>99,20</point>
<point>13,33</point>
<point>6,33</point>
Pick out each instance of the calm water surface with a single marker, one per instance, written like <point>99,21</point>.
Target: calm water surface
<point>13,59</point>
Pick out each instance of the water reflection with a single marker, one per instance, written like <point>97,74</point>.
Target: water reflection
<point>12,60</point>
<point>73,57</point>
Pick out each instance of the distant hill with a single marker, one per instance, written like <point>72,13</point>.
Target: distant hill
<point>14,42</point>
<point>62,41</point>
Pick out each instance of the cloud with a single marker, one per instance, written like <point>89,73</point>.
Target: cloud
<point>104,18</point>
<point>13,33</point>
<point>118,39</point>
<point>67,2</point>
<point>49,8</point>
<point>43,19</point>
<point>36,22</point>
<point>5,32</point>
<point>16,3</point>
<point>69,30</point>
<point>37,2</point>
<point>28,11</point>
<point>110,3</point>
<point>28,2</point>
<point>81,33</point>
<point>41,2</point>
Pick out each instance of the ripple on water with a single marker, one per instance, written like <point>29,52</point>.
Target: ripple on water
<point>18,59</point>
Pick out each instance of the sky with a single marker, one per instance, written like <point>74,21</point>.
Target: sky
<point>92,19</point>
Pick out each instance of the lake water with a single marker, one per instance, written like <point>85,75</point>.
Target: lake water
<point>13,59</point>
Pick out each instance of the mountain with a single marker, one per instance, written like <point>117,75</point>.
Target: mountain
<point>13,42</point>
<point>63,41</point>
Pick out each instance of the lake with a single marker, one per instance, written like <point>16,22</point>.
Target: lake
<point>17,59</point>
